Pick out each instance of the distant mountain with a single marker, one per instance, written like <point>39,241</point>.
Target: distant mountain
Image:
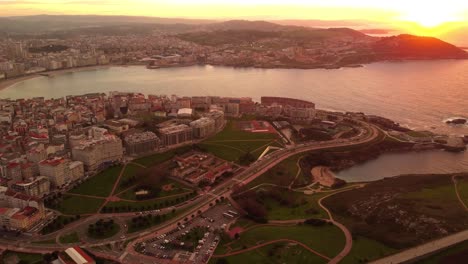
<point>245,25</point>
<point>50,23</point>
<point>239,32</point>
<point>352,45</point>
<point>415,47</point>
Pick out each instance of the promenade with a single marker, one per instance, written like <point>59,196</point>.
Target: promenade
<point>425,249</point>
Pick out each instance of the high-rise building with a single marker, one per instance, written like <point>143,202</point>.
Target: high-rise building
<point>141,142</point>
<point>174,135</point>
<point>55,170</point>
<point>203,127</point>
<point>75,170</point>
<point>36,187</point>
<point>218,117</point>
<point>98,152</point>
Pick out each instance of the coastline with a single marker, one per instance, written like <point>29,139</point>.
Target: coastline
<point>10,82</point>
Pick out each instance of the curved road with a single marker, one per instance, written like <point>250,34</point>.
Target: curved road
<point>367,135</point>
<point>258,168</point>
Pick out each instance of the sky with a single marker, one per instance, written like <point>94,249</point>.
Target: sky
<point>418,16</point>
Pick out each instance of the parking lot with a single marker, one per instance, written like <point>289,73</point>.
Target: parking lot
<point>195,240</point>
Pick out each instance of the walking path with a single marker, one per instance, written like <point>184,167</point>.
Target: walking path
<point>269,243</point>
<point>454,179</point>
<point>347,233</point>
<point>423,250</point>
<point>299,170</point>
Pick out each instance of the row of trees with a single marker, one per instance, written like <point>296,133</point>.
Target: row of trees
<point>101,227</point>
<point>59,223</point>
<point>141,222</point>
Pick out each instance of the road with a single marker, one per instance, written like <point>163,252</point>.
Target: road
<point>423,250</point>
<point>369,134</point>
<point>258,168</point>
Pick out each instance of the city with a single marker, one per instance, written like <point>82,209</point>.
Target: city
<point>222,132</point>
<point>162,163</point>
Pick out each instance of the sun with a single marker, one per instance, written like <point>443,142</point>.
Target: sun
<point>430,14</point>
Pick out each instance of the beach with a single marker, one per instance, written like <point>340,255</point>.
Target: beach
<point>9,82</point>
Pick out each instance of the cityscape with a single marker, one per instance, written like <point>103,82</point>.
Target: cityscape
<point>183,137</point>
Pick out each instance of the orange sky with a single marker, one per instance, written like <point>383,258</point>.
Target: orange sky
<point>427,17</point>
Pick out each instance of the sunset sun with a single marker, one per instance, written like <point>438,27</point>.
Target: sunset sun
<point>430,15</point>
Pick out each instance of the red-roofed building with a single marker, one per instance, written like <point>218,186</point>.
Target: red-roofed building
<point>20,200</point>
<point>54,169</point>
<point>26,218</point>
<point>75,255</point>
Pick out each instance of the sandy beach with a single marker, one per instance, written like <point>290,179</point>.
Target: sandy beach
<point>9,82</point>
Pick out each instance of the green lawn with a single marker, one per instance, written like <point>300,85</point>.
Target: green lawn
<point>275,253</point>
<point>462,186</point>
<point>327,240</point>
<point>75,205</point>
<point>23,257</point>
<point>152,221</point>
<point>307,208</point>
<point>112,231</point>
<point>99,185</point>
<point>126,206</point>
<point>129,171</point>
<point>443,193</point>
<point>282,174</point>
<point>70,238</point>
<point>231,132</point>
<point>178,188</point>
<point>59,223</point>
<point>232,143</point>
<point>365,250</point>
<point>161,157</point>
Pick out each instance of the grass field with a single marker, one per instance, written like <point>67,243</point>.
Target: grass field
<point>126,206</point>
<point>70,238</point>
<point>462,186</point>
<point>307,208</point>
<point>161,157</point>
<point>396,201</point>
<point>232,143</point>
<point>99,185</point>
<point>129,171</point>
<point>59,223</point>
<point>327,240</point>
<point>282,174</point>
<point>178,188</point>
<point>275,253</point>
<point>112,231</point>
<point>75,205</point>
<point>25,258</point>
<point>365,250</point>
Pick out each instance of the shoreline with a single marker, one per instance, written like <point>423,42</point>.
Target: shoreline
<point>10,82</point>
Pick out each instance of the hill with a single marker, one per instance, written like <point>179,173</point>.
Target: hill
<point>414,47</point>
